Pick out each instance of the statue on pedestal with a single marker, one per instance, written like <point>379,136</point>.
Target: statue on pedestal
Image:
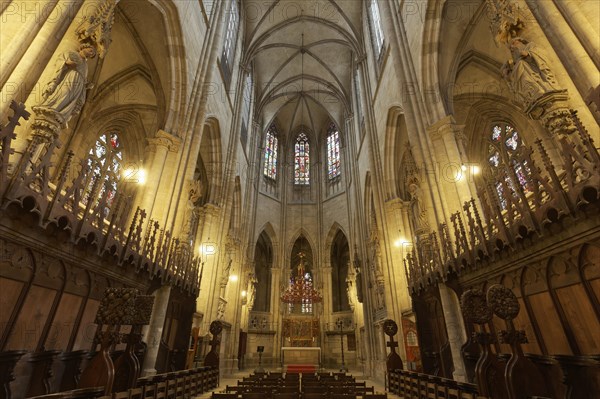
<point>417,207</point>
<point>65,94</point>
<point>528,74</point>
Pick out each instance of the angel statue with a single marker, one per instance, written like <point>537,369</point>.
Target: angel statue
<point>64,95</point>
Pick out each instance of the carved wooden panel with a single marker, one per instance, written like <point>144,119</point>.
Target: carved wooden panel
<point>32,318</point>
<point>87,327</point>
<point>595,285</point>
<point>9,294</point>
<point>581,318</point>
<point>554,336</point>
<point>63,323</point>
<point>499,325</point>
<point>522,322</point>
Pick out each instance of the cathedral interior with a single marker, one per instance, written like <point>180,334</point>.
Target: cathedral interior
<point>405,190</point>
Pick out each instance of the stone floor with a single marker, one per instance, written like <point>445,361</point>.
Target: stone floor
<point>232,379</point>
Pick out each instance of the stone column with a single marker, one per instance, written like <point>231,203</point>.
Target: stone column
<point>585,32</point>
<point>456,180</point>
<point>455,329</point>
<point>20,25</point>
<point>573,55</point>
<point>157,150</point>
<point>59,36</point>
<point>207,240</point>
<point>327,291</point>
<point>32,53</point>
<point>276,309</point>
<point>153,333</point>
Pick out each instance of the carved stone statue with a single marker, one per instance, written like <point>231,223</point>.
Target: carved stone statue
<point>252,291</point>
<point>225,274</point>
<point>417,207</point>
<point>64,95</point>
<point>191,214</point>
<point>528,74</point>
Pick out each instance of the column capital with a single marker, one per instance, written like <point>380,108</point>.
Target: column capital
<point>444,127</point>
<point>164,139</point>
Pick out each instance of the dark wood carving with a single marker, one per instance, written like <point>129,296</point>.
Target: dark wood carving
<point>552,374</point>
<point>127,366</point>
<point>72,369</point>
<point>117,308</point>
<point>488,370</point>
<point>393,362</point>
<point>8,360</point>
<point>40,382</point>
<point>581,375</point>
<point>212,358</point>
<point>523,379</point>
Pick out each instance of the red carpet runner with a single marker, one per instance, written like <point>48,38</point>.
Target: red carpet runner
<point>301,368</point>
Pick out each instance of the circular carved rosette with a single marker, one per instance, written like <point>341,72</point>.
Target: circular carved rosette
<point>216,327</point>
<point>474,307</point>
<point>390,328</point>
<point>503,302</point>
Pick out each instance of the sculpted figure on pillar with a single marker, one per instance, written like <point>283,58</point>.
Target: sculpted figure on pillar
<point>192,211</point>
<point>64,95</point>
<point>417,207</point>
<point>252,290</point>
<point>527,73</point>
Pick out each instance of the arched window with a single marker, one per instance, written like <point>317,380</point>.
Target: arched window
<point>247,105</point>
<point>333,152</point>
<point>302,160</point>
<point>104,159</point>
<point>233,25</point>
<point>376,28</point>
<point>505,144</point>
<point>271,143</point>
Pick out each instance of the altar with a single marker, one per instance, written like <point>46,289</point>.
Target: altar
<point>300,355</point>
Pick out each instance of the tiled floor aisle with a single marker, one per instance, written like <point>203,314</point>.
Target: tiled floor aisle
<point>232,380</point>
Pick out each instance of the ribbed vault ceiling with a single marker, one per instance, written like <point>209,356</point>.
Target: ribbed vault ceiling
<point>279,36</point>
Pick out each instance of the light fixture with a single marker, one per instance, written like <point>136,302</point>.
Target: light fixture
<point>400,242</point>
<point>244,293</point>
<point>301,290</point>
<point>233,278</point>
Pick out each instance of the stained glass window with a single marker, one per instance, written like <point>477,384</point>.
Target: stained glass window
<point>271,142</point>
<point>376,28</point>
<point>104,159</point>
<point>333,152</point>
<point>306,307</point>
<point>505,142</point>
<point>302,160</point>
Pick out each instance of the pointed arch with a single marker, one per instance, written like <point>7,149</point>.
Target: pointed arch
<point>340,260</point>
<point>308,243</point>
<point>210,155</point>
<point>263,262</point>
<point>175,87</point>
<point>331,234</point>
<point>235,220</point>
<point>396,138</point>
